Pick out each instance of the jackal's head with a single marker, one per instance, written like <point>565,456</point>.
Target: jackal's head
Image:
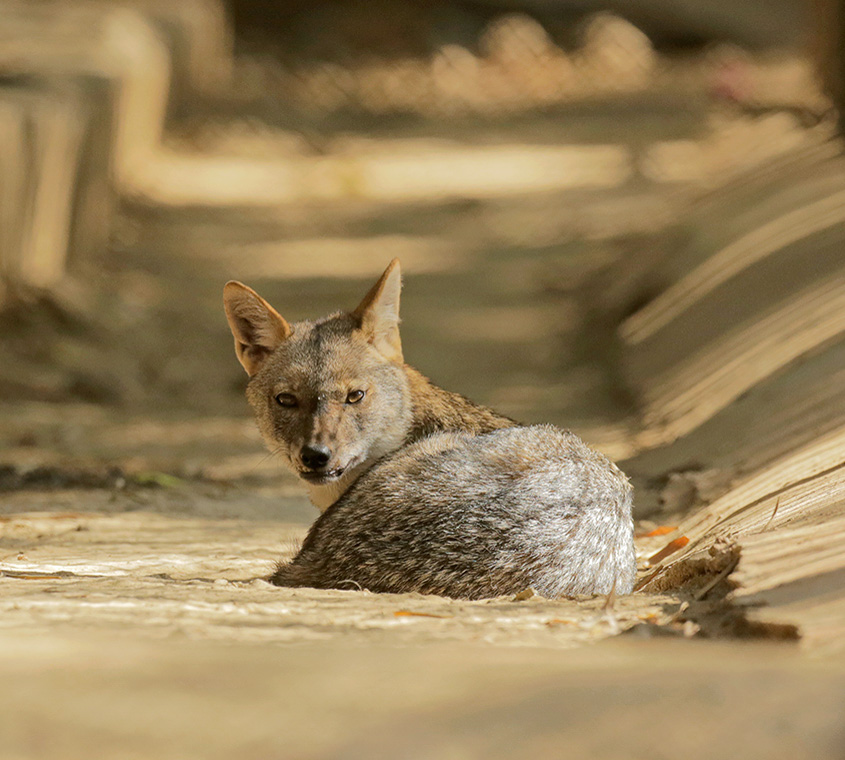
<point>330,397</point>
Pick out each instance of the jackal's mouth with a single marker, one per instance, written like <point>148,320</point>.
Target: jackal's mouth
<point>319,477</point>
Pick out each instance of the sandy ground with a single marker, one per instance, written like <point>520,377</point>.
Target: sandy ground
<point>121,696</point>
<point>147,635</point>
<point>204,579</point>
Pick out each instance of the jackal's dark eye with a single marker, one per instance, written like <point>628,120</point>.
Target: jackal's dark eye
<point>353,397</point>
<point>287,400</point>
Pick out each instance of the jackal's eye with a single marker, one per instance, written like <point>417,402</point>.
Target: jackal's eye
<point>353,397</point>
<point>287,400</point>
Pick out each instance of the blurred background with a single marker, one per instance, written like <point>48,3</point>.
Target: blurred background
<point>541,168</point>
<point>625,218</point>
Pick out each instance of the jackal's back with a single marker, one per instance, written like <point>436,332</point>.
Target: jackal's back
<point>473,516</point>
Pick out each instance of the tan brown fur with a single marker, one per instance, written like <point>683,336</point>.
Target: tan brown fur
<point>435,409</point>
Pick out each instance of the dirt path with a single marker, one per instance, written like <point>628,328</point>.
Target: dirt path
<point>173,698</point>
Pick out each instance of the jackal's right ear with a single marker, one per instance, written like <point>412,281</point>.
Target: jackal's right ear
<point>258,328</point>
<point>379,313</point>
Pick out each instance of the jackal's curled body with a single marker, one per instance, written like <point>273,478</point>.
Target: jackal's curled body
<point>422,490</point>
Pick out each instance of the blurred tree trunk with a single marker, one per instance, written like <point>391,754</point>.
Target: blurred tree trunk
<point>829,50</point>
<point>41,137</point>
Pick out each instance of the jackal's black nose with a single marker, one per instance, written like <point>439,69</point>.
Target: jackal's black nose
<point>315,456</point>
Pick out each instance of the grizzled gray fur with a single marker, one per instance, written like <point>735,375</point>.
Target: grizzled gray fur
<point>477,516</point>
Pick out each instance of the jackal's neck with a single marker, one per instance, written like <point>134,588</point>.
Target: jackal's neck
<point>435,410</point>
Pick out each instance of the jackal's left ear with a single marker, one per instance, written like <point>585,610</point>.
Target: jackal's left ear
<point>379,313</point>
<point>258,328</point>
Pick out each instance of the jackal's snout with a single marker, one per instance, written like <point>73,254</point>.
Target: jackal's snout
<point>318,464</point>
<point>315,456</point>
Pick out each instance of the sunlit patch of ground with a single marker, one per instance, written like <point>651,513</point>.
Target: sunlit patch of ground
<point>203,578</point>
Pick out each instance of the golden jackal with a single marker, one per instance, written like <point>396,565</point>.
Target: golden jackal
<point>420,489</point>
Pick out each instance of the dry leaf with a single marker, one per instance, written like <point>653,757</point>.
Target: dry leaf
<point>661,530</point>
<point>670,548</point>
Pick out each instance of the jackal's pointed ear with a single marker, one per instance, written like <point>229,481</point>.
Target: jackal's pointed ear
<point>258,328</point>
<point>379,313</point>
